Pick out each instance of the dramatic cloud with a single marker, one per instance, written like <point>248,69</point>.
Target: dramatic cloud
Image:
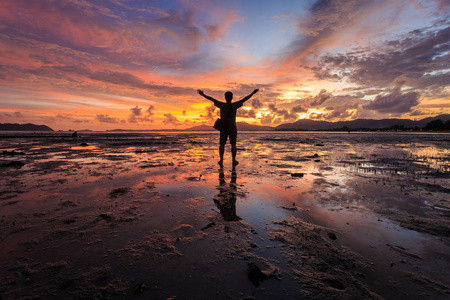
<point>256,103</point>
<point>394,103</point>
<point>280,115</point>
<point>331,15</point>
<point>150,111</point>
<point>324,23</point>
<point>267,119</point>
<point>246,113</point>
<point>107,119</point>
<point>299,109</point>
<point>136,111</point>
<point>137,116</point>
<point>347,110</point>
<point>210,115</point>
<point>320,98</point>
<point>132,119</point>
<point>170,119</point>
<point>16,114</point>
<point>424,59</point>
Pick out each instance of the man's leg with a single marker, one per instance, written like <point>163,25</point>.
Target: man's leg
<point>233,138</point>
<point>221,152</point>
<point>223,141</point>
<point>233,154</point>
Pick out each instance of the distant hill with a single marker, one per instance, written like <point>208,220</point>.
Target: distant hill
<point>23,127</point>
<point>241,126</point>
<point>307,124</point>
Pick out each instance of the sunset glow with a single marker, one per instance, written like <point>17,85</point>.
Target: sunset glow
<point>109,64</point>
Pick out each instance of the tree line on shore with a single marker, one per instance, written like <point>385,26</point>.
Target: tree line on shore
<point>435,125</point>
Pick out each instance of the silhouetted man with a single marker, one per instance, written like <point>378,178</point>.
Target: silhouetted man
<point>228,115</point>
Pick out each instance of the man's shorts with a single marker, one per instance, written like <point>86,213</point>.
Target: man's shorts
<point>230,132</point>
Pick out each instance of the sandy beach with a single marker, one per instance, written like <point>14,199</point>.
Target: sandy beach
<point>306,215</point>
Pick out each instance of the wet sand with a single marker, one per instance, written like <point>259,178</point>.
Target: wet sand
<point>151,216</point>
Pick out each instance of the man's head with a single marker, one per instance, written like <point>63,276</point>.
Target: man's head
<point>228,96</point>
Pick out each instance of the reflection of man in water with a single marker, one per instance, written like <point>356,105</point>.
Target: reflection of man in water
<point>226,199</point>
<point>228,114</point>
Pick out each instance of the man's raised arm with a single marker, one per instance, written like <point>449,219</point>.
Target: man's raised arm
<point>200,92</point>
<point>248,96</point>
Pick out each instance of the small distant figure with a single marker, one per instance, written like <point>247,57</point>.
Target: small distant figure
<point>228,115</point>
<point>75,134</point>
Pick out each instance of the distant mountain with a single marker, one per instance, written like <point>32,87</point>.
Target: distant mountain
<point>307,124</point>
<point>241,126</point>
<point>23,127</point>
<point>425,121</point>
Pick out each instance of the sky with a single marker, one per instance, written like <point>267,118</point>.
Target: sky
<point>135,64</point>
